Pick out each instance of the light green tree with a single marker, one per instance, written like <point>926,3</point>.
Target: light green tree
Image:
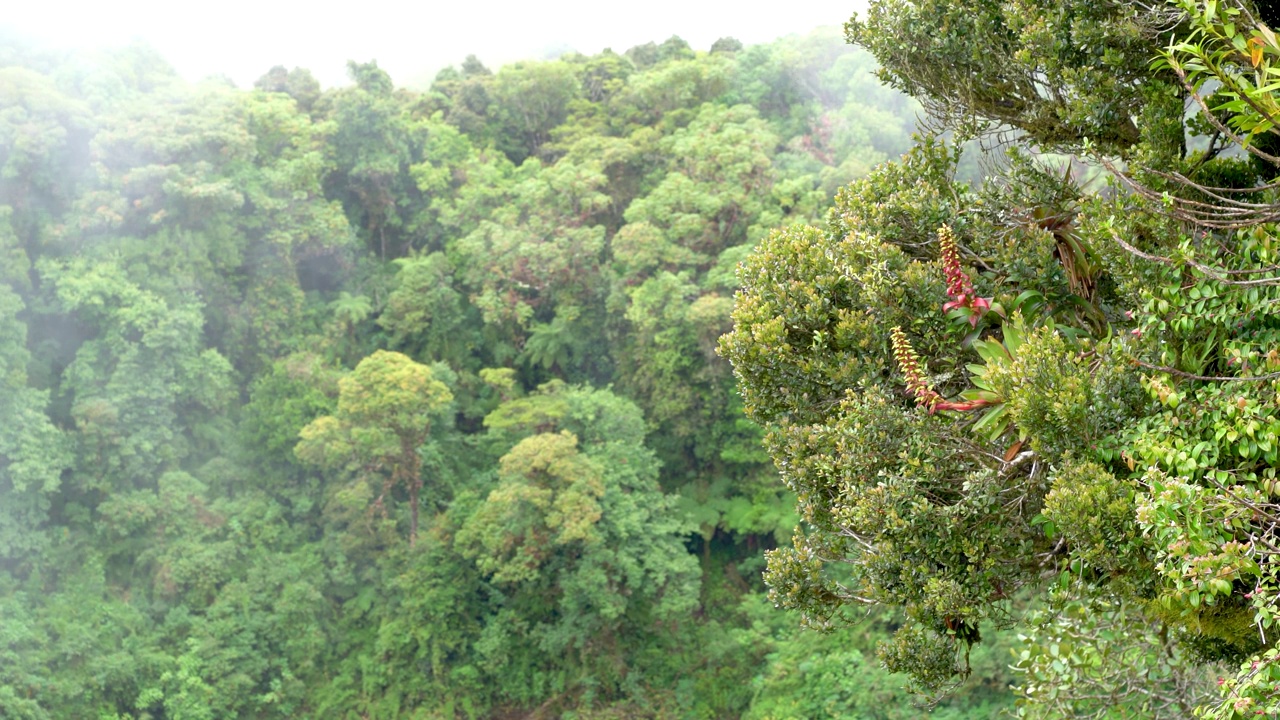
<point>579,537</point>
<point>386,407</point>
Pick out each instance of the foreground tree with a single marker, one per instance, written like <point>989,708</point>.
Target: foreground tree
<point>1028,390</point>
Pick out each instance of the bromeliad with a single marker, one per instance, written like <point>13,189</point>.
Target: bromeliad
<point>918,385</point>
<point>909,363</point>
<point>959,287</point>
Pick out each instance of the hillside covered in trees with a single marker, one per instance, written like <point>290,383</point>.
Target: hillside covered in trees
<point>366,402</point>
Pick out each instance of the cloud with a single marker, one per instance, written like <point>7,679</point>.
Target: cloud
<point>242,39</point>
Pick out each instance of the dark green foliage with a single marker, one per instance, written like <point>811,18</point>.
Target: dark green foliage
<point>1058,71</point>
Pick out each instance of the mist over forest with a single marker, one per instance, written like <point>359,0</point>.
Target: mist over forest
<point>240,39</point>
<point>370,402</point>
<point>927,369</point>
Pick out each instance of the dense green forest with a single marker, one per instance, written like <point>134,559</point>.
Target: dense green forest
<point>538,392</point>
<point>376,403</point>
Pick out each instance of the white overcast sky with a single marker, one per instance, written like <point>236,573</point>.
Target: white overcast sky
<point>242,39</point>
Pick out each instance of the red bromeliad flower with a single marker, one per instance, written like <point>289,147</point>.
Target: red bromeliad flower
<point>957,280</point>
<point>909,363</point>
<point>959,286</point>
<point>963,405</point>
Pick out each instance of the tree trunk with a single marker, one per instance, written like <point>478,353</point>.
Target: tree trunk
<point>415,485</point>
<point>411,467</point>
